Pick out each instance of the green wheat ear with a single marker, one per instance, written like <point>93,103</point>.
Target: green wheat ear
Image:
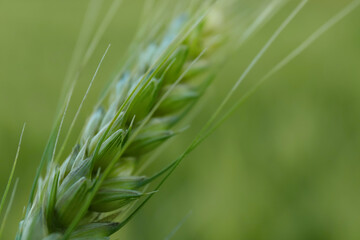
<point>81,196</point>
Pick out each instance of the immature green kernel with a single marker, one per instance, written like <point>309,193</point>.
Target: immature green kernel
<point>68,203</point>
<point>95,230</point>
<point>127,182</point>
<point>174,71</point>
<point>92,125</point>
<point>83,171</point>
<point>179,98</point>
<point>144,100</point>
<point>35,227</point>
<point>107,200</point>
<point>147,142</point>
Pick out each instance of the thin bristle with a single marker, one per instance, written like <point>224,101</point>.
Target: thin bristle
<point>8,185</point>
<point>7,212</point>
<point>82,103</point>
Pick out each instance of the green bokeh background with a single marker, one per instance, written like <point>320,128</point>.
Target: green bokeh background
<point>286,165</point>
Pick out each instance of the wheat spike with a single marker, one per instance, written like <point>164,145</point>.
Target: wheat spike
<point>136,116</point>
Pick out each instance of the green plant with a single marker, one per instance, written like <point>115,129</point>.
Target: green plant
<point>135,116</point>
<point>82,196</point>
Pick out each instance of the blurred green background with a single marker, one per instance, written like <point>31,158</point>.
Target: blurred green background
<point>285,166</point>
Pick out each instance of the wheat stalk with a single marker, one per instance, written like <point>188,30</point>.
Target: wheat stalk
<point>136,116</point>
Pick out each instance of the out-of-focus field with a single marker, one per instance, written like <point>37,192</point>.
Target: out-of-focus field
<point>285,166</point>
